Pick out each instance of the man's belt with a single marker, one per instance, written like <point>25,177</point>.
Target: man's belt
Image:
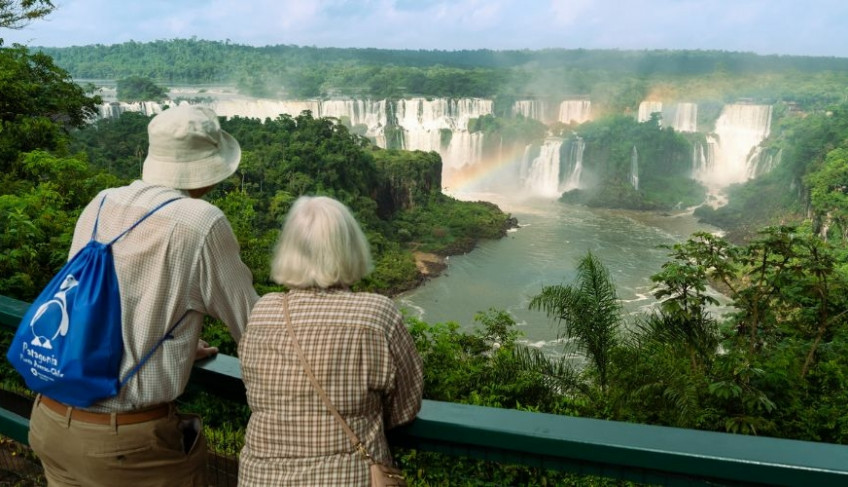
<point>130,417</point>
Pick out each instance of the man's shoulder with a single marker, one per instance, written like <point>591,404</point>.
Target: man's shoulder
<point>187,212</point>
<point>198,207</point>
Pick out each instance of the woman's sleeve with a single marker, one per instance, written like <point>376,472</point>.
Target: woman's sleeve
<point>404,402</point>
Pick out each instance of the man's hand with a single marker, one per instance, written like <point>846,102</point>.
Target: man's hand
<point>204,350</point>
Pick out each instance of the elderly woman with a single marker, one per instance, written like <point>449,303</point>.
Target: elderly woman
<point>356,344</point>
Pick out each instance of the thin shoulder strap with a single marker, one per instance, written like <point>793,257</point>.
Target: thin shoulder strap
<point>168,335</point>
<point>154,210</point>
<point>97,220</point>
<point>353,438</point>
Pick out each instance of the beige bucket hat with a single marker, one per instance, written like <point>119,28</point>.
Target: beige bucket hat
<point>188,149</point>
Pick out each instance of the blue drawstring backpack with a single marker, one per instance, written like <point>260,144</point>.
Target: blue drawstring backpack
<point>69,343</point>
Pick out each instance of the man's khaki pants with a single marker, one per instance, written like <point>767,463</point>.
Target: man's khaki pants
<point>149,454</point>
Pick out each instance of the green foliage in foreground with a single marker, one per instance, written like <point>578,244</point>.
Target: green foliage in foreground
<point>744,372</point>
<point>589,312</point>
<point>15,15</point>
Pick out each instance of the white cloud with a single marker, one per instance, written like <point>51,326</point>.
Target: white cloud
<point>569,12</point>
<point>766,26</point>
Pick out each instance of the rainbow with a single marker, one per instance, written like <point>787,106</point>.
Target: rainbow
<point>490,171</point>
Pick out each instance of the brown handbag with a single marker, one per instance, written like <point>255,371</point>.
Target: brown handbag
<point>381,475</point>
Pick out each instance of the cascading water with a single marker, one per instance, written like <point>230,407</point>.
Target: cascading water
<point>700,160</point>
<point>535,109</point>
<point>646,108</point>
<point>733,148</point>
<point>262,108</point>
<point>373,115</point>
<point>115,109</point>
<point>574,163</point>
<point>465,149</point>
<point>634,168</point>
<point>552,168</point>
<point>763,163</point>
<point>423,121</point>
<point>575,111</point>
<point>441,125</point>
<point>526,160</point>
<point>685,117</point>
<point>543,172</point>
<point>546,110</point>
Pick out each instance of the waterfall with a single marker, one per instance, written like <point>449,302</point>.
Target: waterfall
<point>634,168</point>
<point>699,161</point>
<point>423,121</point>
<point>526,161</point>
<point>574,164</point>
<point>685,117</point>
<point>262,108</point>
<point>646,108</point>
<point>543,172</point>
<point>734,148</point>
<point>763,163</point>
<point>115,109</point>
<point>465,149</point>
<point>575,111</point>
<point>535,109</point>
<point>730,155</point>
<point>440,113</point>
<point>372,114</point>
<point>760,163</point>
<point>110,110</point>
<point>439,124</point>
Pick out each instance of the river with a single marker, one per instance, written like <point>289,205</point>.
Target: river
<point>552,237</point>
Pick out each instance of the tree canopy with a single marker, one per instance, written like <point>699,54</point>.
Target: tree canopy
<point>139,88</point>
<point>15,14</point>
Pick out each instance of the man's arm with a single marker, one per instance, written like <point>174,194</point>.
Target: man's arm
<point>226,282</point>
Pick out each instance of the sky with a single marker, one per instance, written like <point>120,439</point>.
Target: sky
<point>791,27</point>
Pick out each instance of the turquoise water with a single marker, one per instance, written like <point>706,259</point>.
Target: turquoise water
<point>552,238</point>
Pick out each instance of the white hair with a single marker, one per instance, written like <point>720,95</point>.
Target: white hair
<point>321,245</point>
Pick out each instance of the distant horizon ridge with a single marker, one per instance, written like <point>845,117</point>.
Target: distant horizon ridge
<point>621,50</point>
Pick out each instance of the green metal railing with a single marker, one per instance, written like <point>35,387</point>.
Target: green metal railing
<point>641,453</point>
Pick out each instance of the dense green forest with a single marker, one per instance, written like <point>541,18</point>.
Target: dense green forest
<point>614,79</point>
<point>775,365</point>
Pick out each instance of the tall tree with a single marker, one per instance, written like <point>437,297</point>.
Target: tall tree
<point>42,187</point>
<point>39,103</point>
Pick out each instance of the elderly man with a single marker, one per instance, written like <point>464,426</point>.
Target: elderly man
<point>181,263</point>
